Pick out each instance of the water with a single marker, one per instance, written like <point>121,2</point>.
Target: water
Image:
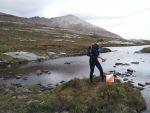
<point>79,67</point>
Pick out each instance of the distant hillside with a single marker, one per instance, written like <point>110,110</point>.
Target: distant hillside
<point>2,13</point>
<point>69,22</point>
<point>74,24</point>
<point>61,36</point>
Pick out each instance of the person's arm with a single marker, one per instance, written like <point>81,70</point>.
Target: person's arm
<point>103,59</point>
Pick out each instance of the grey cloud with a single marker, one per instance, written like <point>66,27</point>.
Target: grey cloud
<point>24,7</point>
<point>91,17</point>
<point>117,24</point>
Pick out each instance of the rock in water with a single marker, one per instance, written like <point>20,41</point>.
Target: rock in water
<point>141,84</point>
<point>67,63</point>
<point>45,71</point>
<point>39,72</point>
<point>18,77</point>
<point>134,62</point>
<point>118,64</point>
<point>130,70</point>
<point>147,83</point>
<point>125,79</point>
<point>25,78</point>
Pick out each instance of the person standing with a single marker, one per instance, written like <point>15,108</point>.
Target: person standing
<point>93,60</point>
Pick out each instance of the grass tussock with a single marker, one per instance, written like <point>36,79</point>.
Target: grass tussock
<point>76,96</point>
<point>146,50</point>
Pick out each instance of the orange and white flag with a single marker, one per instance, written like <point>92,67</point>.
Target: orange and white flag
<point>110,78</point>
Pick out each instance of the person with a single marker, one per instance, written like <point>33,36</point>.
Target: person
<point>93,60</point>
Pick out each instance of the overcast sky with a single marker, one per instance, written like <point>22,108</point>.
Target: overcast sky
<point>128,18</point>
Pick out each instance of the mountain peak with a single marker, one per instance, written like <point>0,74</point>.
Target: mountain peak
<point>70,15</point>
<point>67,16</point>
<point>74,24</point>
<point>67,20</point>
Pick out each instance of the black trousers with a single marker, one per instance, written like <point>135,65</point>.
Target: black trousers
<point>94,62</point>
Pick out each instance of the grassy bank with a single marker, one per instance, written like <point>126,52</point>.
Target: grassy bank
<point>145,50</point>
<point>75,96</point>
<point>41,39</point>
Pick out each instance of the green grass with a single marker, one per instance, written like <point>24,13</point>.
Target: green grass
<point>10,40</point>
<point>75,96</point>
<point>146,50</point>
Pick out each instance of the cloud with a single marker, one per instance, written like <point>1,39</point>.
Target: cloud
<point>25,8</point>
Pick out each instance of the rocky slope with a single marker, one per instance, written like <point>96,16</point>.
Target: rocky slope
<point>74,24</point>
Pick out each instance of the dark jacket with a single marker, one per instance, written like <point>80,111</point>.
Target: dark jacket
<point>95,51</point>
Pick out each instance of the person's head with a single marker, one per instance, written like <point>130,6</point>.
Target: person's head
<point>100,42</point>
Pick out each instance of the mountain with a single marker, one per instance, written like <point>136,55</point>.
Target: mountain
<point>12,18</point>
<point>74,24</point>
<point>69,22</point>
<point>2,13</point>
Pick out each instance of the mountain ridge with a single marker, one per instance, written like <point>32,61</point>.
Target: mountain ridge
<point>74,24</point>
<point>67,22</point>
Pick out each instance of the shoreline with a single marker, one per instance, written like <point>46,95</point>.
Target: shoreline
<point>56,56</point>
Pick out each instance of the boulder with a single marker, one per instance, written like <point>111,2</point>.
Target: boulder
<point>127,74</point>
<point>45,71</point>
<point>62,81</point>
<point>49,73</point>
<point>147,83</point>
<point>9,66</point>
<point>130,82</point>
<point>39,84</point>
<point>57,84</point>
<point>130,70</point>
<point>125,79</point>
<point>18,77</point>
<point>135,62</point>
<point>112,71</point>
<point>118,64</point>
<point>46,88</point>
<point>118,74</point>
<point>123,64</point>
<point>114,66</point>
<point>142,85</point>
<point>39,72</point>
<point>25,78</point>
<point>136,52</point>
<point>126,64</point>
<point>67,63</point>
<point>2,62</point>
